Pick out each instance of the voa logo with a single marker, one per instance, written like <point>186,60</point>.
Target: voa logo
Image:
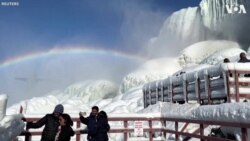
<point>236,9</point>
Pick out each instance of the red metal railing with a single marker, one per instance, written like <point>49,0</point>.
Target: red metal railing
<point>236,83</point>
<point>150,129</point>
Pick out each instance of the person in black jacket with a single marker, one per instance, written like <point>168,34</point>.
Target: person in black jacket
<point>102,127</point>
<point>243,58</point>
<point>51,122</point>
<point>65,132</point>
<point>91,122</point>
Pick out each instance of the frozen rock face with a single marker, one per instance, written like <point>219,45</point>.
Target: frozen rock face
<point>152,70</point>
<point>93,90</point>
<point>182,28</point>
<point>197,52</point>
<point>208,21</point>
<point>228,19</point>
<point>214,12</point>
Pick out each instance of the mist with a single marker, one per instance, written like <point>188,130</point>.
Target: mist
<point>47,72</point>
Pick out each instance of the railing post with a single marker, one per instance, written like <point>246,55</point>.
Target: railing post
<point>171,90</point>
<point>202,131</point>
<point>176,129</point>
<point>185,90</point>
<point>163,122</point>
<point>150,97</point>
<point>207,86</point>
<point>244,136</point>
<point>78,125</point>
<point>236,79</point>
<point>21,110</point>
<point>144,97</point>
<point>27,134</point>
<point>126,130</point>
<point>226,76</point>
<point>197,88</point>
<point>150,130</point>
<point>162,92</point>
<point>157,92</point>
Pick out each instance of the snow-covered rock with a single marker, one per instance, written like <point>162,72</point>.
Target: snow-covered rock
<point>10,127</point>
<point>197,52</point>
<point>152,70</point>
<point>93,90</point>
<point>81,97</point>
<point>3,104</point>
<point>232,54</point>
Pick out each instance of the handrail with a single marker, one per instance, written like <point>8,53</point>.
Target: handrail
<point>150,129</point>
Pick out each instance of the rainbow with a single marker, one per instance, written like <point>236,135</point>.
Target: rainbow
<point>71,50</point>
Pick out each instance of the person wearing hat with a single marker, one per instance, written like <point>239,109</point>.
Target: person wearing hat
<point>51,122</point>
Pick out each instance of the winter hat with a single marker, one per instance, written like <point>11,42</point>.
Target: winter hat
<point>59,109</point>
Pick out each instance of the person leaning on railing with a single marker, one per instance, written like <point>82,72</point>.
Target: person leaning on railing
<point>51,122</point>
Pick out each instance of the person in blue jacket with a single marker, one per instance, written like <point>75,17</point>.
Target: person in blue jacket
<point>91,122</point>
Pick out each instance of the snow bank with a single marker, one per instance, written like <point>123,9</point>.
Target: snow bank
<point>171,109</point>
<point>3,104</point>
<point>223,112</point>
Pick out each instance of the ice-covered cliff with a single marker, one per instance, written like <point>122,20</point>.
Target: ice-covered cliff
<point>182,28</point>
<point>227,19</point>
<point>212,19</point>
<point>214,12</point>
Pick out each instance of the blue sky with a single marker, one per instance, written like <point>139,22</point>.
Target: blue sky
<point>39,25</point>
